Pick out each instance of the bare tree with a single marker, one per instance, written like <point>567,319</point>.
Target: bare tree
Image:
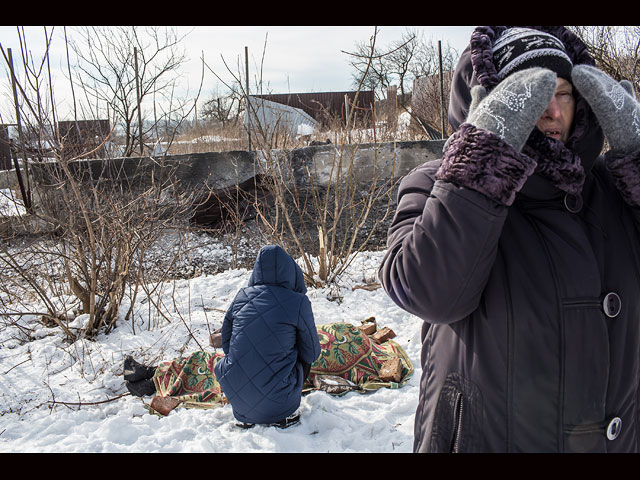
<point>430,95</point>
<point>399,63</point>
<point>615,49</point>
<point>380,69</point>
<point>119,67</point>
<point>223,109</point>
<point>104,215</point>
<point>414,65</point>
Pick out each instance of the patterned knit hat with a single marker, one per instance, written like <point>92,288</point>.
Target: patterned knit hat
<point>519,48</point>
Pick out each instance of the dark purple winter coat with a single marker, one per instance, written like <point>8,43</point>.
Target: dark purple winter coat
<point>529,286</point>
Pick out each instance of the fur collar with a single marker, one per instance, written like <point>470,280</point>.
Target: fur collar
<point>556,162</point>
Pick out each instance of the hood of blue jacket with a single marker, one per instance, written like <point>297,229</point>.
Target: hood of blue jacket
<point>274,266</point>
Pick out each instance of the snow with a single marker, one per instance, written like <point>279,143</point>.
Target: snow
<point>305,129</point>
<point>10,204</point>
<point>57,396</point>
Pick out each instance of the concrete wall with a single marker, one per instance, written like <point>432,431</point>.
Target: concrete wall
<point>220,170</point>
<point>380,161</point>
<point>216,169</point>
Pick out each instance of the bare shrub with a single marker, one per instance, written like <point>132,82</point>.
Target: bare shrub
<point>101,217</point>
<point>324,218</point>
<point>104,223</point>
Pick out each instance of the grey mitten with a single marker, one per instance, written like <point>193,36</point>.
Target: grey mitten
<point>512,108</point>
<point>614,104</point>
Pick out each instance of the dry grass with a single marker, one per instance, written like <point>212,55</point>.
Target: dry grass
<point>232,137</point>
<point>208,138</point>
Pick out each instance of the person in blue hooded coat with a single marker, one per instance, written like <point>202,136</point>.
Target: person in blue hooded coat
<point>269,339</point>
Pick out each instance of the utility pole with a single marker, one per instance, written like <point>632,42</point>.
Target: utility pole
<point>246,66</point>
<point>24,191</point>
<point>135,55</point>
<point>441,88</point>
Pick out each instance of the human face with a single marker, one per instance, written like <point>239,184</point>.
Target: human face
<point>557,119</point>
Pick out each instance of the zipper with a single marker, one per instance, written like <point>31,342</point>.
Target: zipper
<point>599,427</point>
<point>582,302</point>
<point>457,424</point>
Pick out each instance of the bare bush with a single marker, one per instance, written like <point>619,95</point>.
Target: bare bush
<point>324,224</point>
<point>119,67</point>
<point>616,49</point>
<point>103,226</point>
<point>326,217</point>
<point>102,217</point>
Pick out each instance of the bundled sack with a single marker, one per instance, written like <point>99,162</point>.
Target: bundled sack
<point>351,360</point>
<point>187,382</point>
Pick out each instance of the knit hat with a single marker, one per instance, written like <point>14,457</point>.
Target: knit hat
<point>520,48</point>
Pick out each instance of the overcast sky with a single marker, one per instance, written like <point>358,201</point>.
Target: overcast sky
<point>297,59</point>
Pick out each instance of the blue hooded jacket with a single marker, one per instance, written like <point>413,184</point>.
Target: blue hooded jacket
<point>268,333</point>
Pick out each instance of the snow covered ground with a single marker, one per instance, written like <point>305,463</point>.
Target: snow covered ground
<point>10,203</point>
<point>61,397</point>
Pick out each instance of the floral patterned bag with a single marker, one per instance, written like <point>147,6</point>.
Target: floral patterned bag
<point>190,381</point>
<point>348,353</point>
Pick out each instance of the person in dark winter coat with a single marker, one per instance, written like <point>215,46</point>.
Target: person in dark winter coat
<point>520,250</point>
<point>269,339</point>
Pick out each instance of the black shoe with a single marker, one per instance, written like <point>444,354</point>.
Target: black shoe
<point>134,371</point>
<point>141,388</point>
<point>291,420</point>
<point>245,426</point>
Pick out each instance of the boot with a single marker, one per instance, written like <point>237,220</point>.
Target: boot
<point>141,388</point>
<point>245,426</point>
<point>292,419</point>
<point>134,371</point>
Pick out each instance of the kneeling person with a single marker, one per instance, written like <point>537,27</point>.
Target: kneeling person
<point>269,339</point>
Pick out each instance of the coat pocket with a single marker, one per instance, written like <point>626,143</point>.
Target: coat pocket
<point>457,424</point>
<point>592,437</point>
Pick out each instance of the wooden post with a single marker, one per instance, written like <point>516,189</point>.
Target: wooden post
<point>392,107</point>
<point>441,88</point>
<point>347,115</point>
<point>25,191</point>
<point>135,55</point>
<point>246,66</point>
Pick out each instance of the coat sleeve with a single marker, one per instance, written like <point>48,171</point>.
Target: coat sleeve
<point>443,240</point>
<point>442,245</point>
<point>227,327</point>
<point>307,334</point>
<point>227,322</point>
<point>625,170</point>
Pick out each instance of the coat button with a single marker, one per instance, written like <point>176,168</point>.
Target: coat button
<point>612,304</point>
<point>573,203</point>
<point>614,427</point>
